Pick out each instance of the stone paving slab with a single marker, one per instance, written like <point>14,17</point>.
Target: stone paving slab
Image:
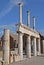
<point>39,60</point>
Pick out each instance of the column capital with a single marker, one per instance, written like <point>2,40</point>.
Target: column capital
<point>20,4</point>
<point>34,38</point>
<point>28,12</point>
<point>20,33</point>
<point>28,35</point>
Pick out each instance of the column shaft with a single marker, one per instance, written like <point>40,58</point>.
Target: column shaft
<point>34,47</point>
<point>28,18</point>
<point>34,22</point>
<point>20,44</point>
<point>39,47</point>
<point>43,45</point>
<point>6,45</point>
<point>20,13</point>
<point>28,47</point>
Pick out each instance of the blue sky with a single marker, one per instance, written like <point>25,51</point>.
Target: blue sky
<point>9,12</point>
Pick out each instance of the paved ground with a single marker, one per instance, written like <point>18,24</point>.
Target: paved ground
<point>39,60</point>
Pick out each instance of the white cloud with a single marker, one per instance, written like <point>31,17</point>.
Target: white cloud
<point>16,1</point>
<point>7,9</point>
<point>9,6</point>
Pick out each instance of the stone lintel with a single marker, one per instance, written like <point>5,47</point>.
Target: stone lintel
<point>24,29</point>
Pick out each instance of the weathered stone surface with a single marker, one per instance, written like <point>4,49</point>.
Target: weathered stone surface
<point>6,46</point>
<point>33,61</point>
<point>34,47</point>
<point>28,47</point>
<point>24,29</point>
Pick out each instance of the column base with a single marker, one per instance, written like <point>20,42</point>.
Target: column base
<point>28,56</point>
<point>35,55</point>
<point>38,53</point>
<point>18,58</point>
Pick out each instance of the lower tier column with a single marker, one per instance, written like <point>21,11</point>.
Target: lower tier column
<point>28,47</point>
<point>34,47</point>
<point>20,44</point>
<point>39,50</point>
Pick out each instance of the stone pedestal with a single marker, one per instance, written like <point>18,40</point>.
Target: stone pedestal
<point>28,47</point>
<point>20,44</point>
<point>34,47</point>
<point>6,45</point>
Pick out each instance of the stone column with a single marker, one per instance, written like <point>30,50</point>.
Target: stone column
<point>43,45</point>
<point>34,22</point>
<point>34,47</point>
<point>39,50</point>
<point>20,13</point>
<point>28,18</point>
<point>28,47</point>
<point>6,46</point>
<point>20,44</point>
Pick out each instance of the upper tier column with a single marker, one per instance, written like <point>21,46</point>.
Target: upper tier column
<point>20,13</point>
<point>28,18</point>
